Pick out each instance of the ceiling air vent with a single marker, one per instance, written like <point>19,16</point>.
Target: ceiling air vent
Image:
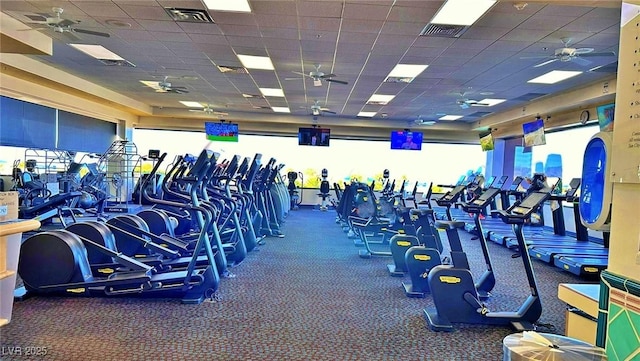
<point>443,30</point>
<point>398,79</point>
<point>123,62</point>
<point>189,15</point>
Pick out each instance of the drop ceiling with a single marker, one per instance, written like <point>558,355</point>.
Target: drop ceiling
<point>358,41</point>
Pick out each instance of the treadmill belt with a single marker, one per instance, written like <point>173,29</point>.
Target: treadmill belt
<point>584,266</point>
<point>547,254</point>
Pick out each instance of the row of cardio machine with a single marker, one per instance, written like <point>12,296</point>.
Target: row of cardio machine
<point>413,242</point>
<point>548,241</point>
<point>210,216</point>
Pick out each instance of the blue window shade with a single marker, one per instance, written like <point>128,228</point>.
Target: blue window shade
<point>84,134</point>
<point>26,125</point>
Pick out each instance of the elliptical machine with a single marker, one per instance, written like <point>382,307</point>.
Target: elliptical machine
<point>324,190</point>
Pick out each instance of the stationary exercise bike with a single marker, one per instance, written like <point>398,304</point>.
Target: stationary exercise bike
<point>456,298</point>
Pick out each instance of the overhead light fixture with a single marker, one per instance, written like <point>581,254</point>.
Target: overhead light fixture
<point>228,5</point>
<point>405,73</point>
<point>272,92</point>
<point>488,102</point>
<point>97,51</point>
<point>281,109</point>
<point>367,114</point>
<point>450,117</point>
<point>462,12</point>
<point>191,104</point>
<point>256,62</point>
<point>554,76</point>
<point>380,99</point>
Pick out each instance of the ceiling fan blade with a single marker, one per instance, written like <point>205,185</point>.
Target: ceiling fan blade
<point>327,76</point>
<point>537,57</point>
<point>221,113</point>
<point>337,81</point>
<point>35,27</point>
<point>605,53</point>
<point>545,63</point>
<point>329,111</point>
<point>583,51</point>
<point>578,60</point>
<point>70,36</point>
<point>91,32</point>
<point>303,74</point>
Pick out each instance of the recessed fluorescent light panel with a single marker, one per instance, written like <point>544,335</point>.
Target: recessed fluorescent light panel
<point>366,114</point>
<point>488,102</point>
<point>256,62</point>
<point>97,51</point>
<point>191,104</point>
<point>228,5</point>
<point>405,73</point>
<point>380,99</point>
<point>151,84</point>
<point>462,12</point>
<point>272,92</point>
<point>554,76</point>
<point>281,109</point>
<point>450,117</point>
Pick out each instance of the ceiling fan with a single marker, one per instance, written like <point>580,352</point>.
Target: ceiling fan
<point>66,26</point>
<point>165,86</point>
<point>316,109</point>
<point>567,53</point>
<point>207,109</point>
<point>318,76</point>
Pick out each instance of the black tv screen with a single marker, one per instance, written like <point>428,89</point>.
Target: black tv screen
<point>403,139</point>
<point>486,141</point>
<point>225,132</point>
<point>534,133</point>
<point>314,136</point>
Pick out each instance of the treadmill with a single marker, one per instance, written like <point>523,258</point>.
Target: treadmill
<point>498,231</point>
<point>547,248</point>
<point>492,183</point>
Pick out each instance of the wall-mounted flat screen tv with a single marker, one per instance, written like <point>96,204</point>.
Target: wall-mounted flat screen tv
<point>486,141</point>
<point>605,116</point>
<point>403,139</point>
<point>314,136</point>
<point>223,132</point>
<point>534,133</point>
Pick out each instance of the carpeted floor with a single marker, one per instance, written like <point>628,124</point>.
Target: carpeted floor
<point>307,296</point>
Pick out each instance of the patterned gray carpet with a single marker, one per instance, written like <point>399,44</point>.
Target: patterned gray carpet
<point>307,296</point>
